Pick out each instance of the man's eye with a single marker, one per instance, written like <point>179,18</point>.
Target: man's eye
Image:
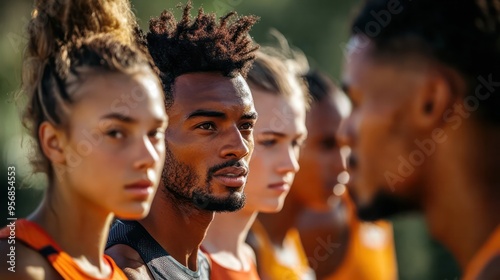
<point>207,126</point>
<point>247,126</point>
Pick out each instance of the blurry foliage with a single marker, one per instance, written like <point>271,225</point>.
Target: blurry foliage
<point>318,27</point>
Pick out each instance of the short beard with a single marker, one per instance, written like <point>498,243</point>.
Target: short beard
<point>204,201</point>
<point>180,178</point>
<point>383,206</point>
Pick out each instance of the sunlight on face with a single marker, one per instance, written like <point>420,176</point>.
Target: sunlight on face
<point>210,140</point>
<point>279,133</point>
<point>115,147</point>
<point>379,130</point>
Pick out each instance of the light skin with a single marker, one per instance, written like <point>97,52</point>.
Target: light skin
<point>393,106</point>
<point>122,162</point>
<point>279,134</point>
<point>210,124</point>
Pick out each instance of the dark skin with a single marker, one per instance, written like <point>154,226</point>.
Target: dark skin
<point>200,140</point>
<point>331,226</point>
<point>394,106</point>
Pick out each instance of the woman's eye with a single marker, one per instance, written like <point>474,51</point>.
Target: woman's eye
<point>297,143</point>
<point>267,143</point>
<point>328,144</point>
<point>114,133</point>
<point>158,133</point>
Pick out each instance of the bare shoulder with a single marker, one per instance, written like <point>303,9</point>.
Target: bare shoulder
<point>129,261</point>
<point>17,261</point>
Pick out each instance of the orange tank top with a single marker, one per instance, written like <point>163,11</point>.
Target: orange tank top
<point>218,272</point>
<point>271,266</point>
<point>488,252</point>
<point>33,236</point>
<point>371,253</point>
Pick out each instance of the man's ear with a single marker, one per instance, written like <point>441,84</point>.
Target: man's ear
<point>434,97</point>
<point>51,141</point>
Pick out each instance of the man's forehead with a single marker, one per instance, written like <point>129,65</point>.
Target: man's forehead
<point>201,80</point>
<point>375,70</point>
<point>210,91</point>
<point>209,85</point>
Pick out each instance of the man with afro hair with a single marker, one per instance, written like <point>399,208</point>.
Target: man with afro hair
<point>202,63</point>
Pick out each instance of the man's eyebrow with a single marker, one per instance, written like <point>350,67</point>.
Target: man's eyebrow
<point>207,113</point>
<point>119,117</point>
<point>250,116</point>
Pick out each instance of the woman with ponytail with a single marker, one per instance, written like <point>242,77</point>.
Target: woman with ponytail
<point>95,109</point>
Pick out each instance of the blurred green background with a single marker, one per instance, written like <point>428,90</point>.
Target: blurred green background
<point>318,27</point>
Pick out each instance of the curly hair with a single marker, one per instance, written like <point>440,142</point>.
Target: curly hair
<point>70,40</point>
<point>464,35</point>
<point>200,45</point>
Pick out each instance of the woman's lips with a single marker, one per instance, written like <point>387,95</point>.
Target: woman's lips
<point>142,188</point>
<point>280,187</point>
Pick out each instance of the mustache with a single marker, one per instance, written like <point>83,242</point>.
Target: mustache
<point>230,163</point>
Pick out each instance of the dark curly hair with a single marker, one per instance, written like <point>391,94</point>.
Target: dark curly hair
<point>200,45</point>
<point>463,35</point>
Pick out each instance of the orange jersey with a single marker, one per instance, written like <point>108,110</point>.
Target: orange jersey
<point>37,239</point>
<point>489,251</point>
<point>271,266</point>
<point>370,252</point>
<point>218,272</point>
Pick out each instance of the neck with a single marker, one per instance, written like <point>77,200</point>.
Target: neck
<point>457,205</point>
<point>171,221</point>
<point>278,224</point>
<point>228,233</point>
<point>67,219</point>
<point>472,221</point>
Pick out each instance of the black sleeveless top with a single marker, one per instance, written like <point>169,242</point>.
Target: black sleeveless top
<point>160,264</point>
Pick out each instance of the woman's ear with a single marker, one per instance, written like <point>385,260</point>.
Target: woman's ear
<point>51,142</point>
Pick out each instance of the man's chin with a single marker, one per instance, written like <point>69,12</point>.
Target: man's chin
<point>233,202</point>
<point>383,206</point>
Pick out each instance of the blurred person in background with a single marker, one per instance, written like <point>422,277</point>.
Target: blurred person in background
<point>202,62</point>
<point>424,129</point>
<point>278,249</point>
<point>279,133</point>
<point>338,245</point>
<point>80,64</point>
